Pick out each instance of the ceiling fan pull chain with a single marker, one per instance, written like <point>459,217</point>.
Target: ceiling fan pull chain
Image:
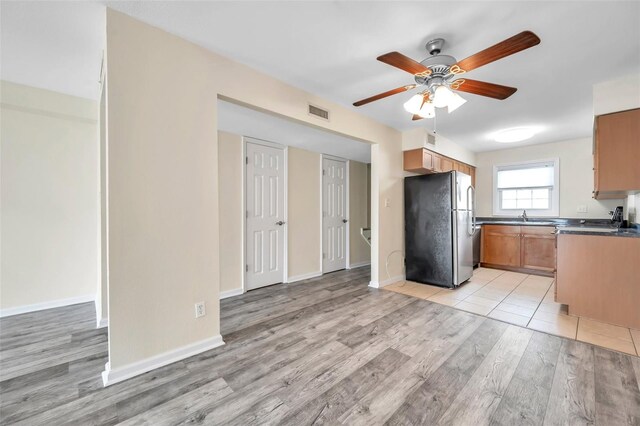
<point>435,124</point>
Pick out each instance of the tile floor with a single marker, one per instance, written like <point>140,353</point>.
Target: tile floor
<point>524,300</point>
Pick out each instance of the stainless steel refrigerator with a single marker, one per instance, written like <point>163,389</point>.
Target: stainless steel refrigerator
<point>439,226</point>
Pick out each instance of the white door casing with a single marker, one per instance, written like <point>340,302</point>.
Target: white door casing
<point>265,215</point>
<point>334,214</point>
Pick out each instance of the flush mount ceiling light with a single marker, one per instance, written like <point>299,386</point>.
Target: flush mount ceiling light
<point>438,75</point>
<point>515,134</point>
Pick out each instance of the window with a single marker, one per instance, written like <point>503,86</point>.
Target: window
<point>531,186</point>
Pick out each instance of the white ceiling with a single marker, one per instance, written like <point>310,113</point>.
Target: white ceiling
<point>247,122</point>
<point>329,48</point>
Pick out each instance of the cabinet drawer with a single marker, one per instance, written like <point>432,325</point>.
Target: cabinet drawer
<point>501,229</point>
<point>539,230</point>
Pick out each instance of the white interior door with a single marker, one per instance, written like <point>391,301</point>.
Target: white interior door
<point>265,174</point>
<point>334,215</point>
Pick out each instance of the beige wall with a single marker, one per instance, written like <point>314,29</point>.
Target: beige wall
<point>102,295</point>
<point>576,176</point>
<point>359,250</point>
<point>163,190</point>
<point>230,169</point>
<point>616,95</point>
<point>304,213</point>
<point>49,198</point>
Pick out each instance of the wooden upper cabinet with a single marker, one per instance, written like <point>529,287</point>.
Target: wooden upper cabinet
<point>616,154</point>
<point>437,163</point>
<point>538,247</point>
<point>501,245</point>
<point>423,161</point>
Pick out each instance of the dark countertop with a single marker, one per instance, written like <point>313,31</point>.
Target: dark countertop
<point>601,227</point>
<point>586,230</point>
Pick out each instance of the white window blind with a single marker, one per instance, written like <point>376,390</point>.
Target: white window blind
<point>530,186</point>
<point>526,177</point>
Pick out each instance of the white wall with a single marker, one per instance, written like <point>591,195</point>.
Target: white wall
<point>49,198</point>
<point>416,138</point>
<point>163,186</point>
<point>576,176</point>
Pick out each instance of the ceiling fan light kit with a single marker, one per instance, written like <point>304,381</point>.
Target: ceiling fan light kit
<point>438,75</point>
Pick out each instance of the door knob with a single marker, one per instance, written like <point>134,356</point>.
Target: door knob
<point>344,221</point>
<point>280,223</point>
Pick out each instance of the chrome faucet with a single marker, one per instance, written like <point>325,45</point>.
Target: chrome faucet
<point>524,215</point>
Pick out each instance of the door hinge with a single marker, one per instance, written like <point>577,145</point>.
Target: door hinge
<point>246,268</point>
<point>324,255</point>
<point>247,214</point>
<point>324,172</point>
<point>246,160</point>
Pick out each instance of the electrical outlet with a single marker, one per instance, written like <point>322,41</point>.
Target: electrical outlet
<point>582,208</point>
<point>200,311</point>
<point>387,203</point>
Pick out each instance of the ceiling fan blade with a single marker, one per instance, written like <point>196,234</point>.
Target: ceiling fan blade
<point>482,88</point>
<point>515,44</point>
<point>398,60</point>
<point>416,117</point>
<point>385,94</point>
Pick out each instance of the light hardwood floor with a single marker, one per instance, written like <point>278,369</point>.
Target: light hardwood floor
<point>329,350</point>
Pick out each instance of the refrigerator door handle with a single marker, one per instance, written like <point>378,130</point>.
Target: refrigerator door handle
<point>473,209</point>
<point>470,212</point>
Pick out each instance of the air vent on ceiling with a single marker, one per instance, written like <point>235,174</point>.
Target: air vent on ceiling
<point>318,112</point>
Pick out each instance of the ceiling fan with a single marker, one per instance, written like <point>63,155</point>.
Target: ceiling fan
<point>437,73</point>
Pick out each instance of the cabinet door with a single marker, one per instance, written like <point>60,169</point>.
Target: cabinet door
<point>538,248</point>
<point>427,160</point>
<point>472,173</point>
<point>501,245</point>
<point>437,163</point>
<point>617,151</point>
<point>446,164</point>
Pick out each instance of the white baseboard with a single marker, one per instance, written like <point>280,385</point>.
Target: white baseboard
<point>111,376</point>
<point>304,277</point>
<point>380,284</point>
<point>231,293</point>
<point>102,322</point>
<point>359,264</point>
<point>7,312</point>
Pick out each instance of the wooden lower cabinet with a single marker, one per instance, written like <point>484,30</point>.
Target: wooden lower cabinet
<point>501,245</point>
<point>598,277</point>
<point>538,248</point>
<point>530,249</point>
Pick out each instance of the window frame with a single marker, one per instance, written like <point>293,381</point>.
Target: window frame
<point>554,199</point>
